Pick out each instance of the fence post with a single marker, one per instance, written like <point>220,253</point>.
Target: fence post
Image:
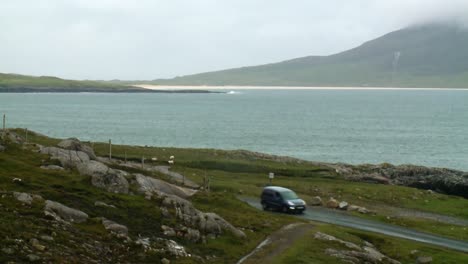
<point>110,150</point>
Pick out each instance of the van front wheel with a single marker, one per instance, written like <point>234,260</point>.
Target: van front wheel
<point>284,209</point>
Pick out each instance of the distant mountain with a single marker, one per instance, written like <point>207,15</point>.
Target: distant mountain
<point>421,56</point>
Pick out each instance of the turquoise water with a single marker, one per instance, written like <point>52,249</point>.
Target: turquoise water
<point>427,127</point>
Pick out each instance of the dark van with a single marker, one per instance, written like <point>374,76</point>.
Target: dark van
<point>279,198</point>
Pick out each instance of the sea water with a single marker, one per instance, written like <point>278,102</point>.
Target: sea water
<point>424,127</point>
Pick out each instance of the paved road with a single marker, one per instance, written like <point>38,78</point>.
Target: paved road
<point>343,219</point>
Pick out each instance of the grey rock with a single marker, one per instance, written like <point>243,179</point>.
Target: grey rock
<point>14,137</point>
<point>46,238</point>
<point>102,204</point>
<point>23,197</point>
<point>149,185</point>
<point>332,203</point>
<point>424,260</point>
<point>168,231</point>
<point>114,227</point>
<point>343,205</point>
<point>67,158</point>
<point>33,258</point>
<point>2,148</point>
<point>316,201</point>
<point>104,177</point>
<point>326,237</point>
<point>77,145</point>
<point>175,249</point>
<point>165,261</point>
<point>192,235</point>
<point>59,211</point>
<point>51,167</point>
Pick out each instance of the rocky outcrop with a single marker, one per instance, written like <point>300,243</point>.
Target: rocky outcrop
<point>104,177</point>
<point>355,254</point>
<point>67,158</point>
<point>207,223</point>
<point>61,212</point>
<point>439,179</point>
<point>147,184</point>
<point>77,145</point>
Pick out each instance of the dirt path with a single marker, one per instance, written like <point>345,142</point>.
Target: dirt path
<point>276,243</point>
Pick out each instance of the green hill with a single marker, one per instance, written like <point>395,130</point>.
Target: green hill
<point>24,83</point>
<point>421,56</point>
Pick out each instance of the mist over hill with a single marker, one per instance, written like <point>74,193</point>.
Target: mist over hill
<point>430,55</point>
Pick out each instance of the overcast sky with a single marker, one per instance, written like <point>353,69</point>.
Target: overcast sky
<point>149,39</point>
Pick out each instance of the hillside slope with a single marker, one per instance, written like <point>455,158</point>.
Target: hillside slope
<point>25,83</point>
<point>422,56</point>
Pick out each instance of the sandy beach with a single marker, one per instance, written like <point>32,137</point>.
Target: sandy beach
<point>229,88</point>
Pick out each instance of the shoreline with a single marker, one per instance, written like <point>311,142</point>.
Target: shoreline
<point>233,87</point>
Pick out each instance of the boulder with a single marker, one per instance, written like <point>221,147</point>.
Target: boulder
<point>104,177</point>
<point>115,228</point>
<point>316,201</point>
<point>332,203</point>
<point>343,205</point>
<point>59,211</point>
<point>149,185</point>
<point>165,261</point>
<point>68,158</point>
<point>23,197</point>
<point>77,145</point>
<point>424,260</point>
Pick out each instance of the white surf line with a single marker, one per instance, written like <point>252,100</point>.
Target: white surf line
<point>188,87</point>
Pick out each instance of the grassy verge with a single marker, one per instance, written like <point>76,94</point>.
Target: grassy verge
<point>310,250</point>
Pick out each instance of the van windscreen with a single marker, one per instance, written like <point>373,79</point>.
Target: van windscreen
<point>289,195</point>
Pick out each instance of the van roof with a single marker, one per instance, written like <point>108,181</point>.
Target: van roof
<point>276,188</point>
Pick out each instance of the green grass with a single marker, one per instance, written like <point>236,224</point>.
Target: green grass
<point>231,173</point>
<point>310,250</point>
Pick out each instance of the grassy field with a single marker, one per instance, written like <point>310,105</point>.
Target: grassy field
<point>231,173</point>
